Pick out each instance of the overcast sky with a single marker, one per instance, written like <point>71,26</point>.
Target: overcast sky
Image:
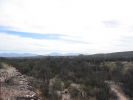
<point>66,26</point>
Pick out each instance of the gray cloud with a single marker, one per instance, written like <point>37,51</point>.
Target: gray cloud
<point>111,24</point>
<point>126,39</point>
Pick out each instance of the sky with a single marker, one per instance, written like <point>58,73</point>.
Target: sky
<point>66,26</point>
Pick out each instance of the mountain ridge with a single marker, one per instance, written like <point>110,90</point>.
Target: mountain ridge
<point>113,54</point>
<point>34,55</point>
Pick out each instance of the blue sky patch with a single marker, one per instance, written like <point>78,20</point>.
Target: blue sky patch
<point>49,36</point>
<point>30,35</point>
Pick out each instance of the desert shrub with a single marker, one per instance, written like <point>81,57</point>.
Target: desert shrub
<point>74,92</point>
<point>57,84</point>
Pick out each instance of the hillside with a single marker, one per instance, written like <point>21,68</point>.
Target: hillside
<point>77,77</point>
<point>14,85</point>
<point>116,54</point>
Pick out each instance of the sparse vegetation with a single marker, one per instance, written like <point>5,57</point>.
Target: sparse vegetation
<point>90,72</point>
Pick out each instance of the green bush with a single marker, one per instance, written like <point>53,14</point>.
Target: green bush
<point>74,92</point>
<point>57,84</point>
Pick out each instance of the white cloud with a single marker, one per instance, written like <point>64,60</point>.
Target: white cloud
<point>75,19</point>
<point>11,43</point>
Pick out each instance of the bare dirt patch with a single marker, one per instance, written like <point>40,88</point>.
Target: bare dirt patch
<point>117,89</point>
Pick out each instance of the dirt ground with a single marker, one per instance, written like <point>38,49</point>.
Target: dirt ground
<point>117,89</point>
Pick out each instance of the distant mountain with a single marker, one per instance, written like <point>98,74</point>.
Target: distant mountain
<point>54,54</point>
<point>59,54</point>
<point>17,55</point>
<point>72,54</point>
<point>115,54</point>
<point>36,55</point>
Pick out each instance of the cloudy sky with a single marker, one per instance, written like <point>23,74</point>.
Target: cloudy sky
<point>66,26</point>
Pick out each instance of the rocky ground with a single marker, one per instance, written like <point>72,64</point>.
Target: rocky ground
<point>14,85</point>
